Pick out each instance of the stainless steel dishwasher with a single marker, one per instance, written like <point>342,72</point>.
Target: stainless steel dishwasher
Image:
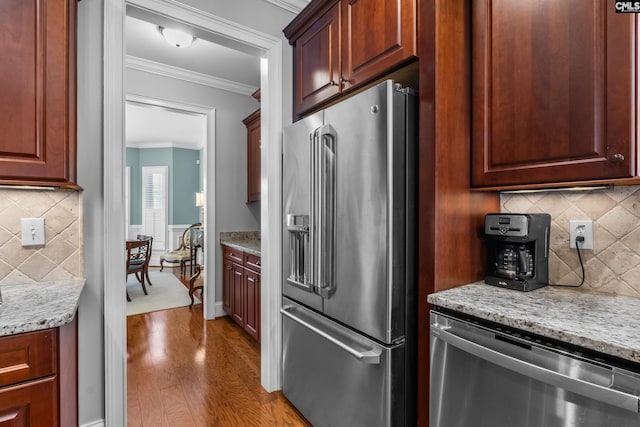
<point>484,375</point>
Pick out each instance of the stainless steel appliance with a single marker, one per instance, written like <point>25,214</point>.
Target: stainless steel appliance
<point>484,375</point>
<point>349,310</point>
<point>517,250</point>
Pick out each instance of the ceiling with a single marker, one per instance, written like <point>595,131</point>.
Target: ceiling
<point>206,61</point>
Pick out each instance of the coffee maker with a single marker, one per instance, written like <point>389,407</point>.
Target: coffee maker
<point>517,250</point>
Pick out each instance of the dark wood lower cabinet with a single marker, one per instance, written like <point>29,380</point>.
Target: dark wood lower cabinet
<point>241,289</point>
<point>39,378</point>
<point>237,304</point>
<point>252,304</point>
<point>29,404</point>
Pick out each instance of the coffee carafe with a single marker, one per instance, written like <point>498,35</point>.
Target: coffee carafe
<point>517,250</point>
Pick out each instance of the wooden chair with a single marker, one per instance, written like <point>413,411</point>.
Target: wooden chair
<point>136,261</point>
<point>147,258</point>
<point>197,283</point>
<point>181,254</point>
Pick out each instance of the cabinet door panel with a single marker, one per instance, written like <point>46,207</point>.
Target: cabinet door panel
<point>378,35</point>
<point>27,356</point>
<point>252,306</point>
<point>37,90</point>
<point>317,62</point>
<point>553,96</point>
<point>237,295</point>
<point>227,289</point>
<point>253,156</point>
<point>31,404</point>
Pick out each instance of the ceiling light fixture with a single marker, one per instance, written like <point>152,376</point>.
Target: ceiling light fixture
<point>177,38</point>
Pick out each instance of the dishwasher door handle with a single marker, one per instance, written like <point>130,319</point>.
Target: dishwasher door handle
<point>594,391</point>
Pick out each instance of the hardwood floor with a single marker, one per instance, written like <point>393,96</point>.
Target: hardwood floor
<point>185,371</point>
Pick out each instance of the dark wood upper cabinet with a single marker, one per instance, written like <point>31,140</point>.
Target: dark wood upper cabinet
<point>316,61</point>
<point>554,96</point>
<point>343,45</point>
<point>38,92</point>
<point>252,123</point>
<point>377,35</point>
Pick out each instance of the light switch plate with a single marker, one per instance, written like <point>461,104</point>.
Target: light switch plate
<point>33,232</point>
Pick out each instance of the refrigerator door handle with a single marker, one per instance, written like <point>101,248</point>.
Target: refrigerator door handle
<point>371,357</point>
<point>326,209</point>
<point>313,206</point>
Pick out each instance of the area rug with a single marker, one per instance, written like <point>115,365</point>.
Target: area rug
<point>167,292</point>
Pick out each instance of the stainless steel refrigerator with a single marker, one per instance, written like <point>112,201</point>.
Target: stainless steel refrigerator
<point>349,288</point>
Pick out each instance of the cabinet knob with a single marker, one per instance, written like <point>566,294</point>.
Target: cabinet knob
<point>228,267</point>
<point>616,158</point>
<point>344,80</point>
<point>333,83</point>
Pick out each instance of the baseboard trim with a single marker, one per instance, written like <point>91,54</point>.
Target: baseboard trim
<point>219,310</point>
<point>98,423</point>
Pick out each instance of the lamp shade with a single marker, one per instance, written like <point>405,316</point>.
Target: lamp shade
<point>200,199</point>
<point>177,38</point>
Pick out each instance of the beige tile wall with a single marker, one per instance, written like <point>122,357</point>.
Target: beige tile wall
<point>614,264</point>
<point>61,257</point>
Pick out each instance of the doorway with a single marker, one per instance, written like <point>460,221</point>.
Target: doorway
<point>271,84</point>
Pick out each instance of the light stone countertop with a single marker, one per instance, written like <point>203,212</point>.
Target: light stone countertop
<point>37,306</point>
<point>248,241</point>
<point>602,322</point>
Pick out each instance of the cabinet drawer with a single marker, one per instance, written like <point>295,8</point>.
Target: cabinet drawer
<point>30,404</point>
<point>252,261</point>
<point>232,254</point>
<point>27,356</point>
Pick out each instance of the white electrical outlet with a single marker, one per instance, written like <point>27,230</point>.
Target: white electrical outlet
<point>33,232</point>
<point>582,228</point>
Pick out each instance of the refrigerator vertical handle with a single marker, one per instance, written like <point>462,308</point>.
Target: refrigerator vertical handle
<point>326,208</point>
<point>313,206</point>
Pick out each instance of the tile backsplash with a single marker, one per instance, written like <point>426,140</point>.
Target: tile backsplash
<point>613,266</point>
<point>62,255</point>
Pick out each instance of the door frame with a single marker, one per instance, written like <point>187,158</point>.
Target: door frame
<point>114,151</point>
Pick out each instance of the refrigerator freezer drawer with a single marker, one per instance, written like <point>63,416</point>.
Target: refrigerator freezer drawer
<point>336,377</point>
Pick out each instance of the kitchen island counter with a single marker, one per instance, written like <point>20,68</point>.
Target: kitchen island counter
<point>246,241</point>
<point>36,306</point>
<point>595,321</point>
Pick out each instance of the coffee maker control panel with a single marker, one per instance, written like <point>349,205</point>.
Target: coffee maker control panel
<point>507,225</point>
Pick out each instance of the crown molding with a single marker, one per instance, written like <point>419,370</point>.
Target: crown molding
<point>164,144</point>
<point>165,70</point>
<point>294,6</point>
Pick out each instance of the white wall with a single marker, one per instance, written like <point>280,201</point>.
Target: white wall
<point>257,14</point>
<point>91,319</point>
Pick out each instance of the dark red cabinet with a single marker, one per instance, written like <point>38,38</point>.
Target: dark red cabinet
<point>554,96</point>
<point>341,45</point>
<point>241,289</point>
<point>38,92</point>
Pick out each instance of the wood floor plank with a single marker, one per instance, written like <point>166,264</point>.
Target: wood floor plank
<point>185,371</point>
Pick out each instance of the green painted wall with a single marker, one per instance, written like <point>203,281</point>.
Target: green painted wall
<point>184,181</point>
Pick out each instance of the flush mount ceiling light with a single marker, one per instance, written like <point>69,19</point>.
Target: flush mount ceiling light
<point>176,38</point>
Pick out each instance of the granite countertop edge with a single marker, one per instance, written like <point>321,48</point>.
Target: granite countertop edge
<point>37,306</point>
<point>247,241</point>
<point>592,320</point>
